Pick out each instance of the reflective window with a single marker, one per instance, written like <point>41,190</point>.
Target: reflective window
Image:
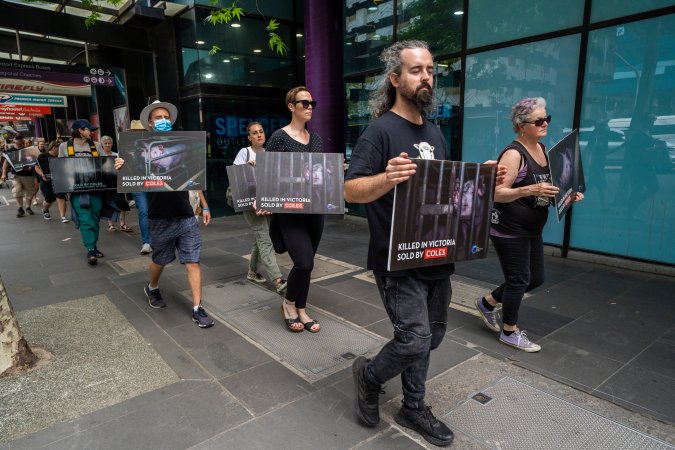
<point>627,138</point>
<point>244,58</point>
<point>422,19</point>
<point>491,22</point>
<point>497,79</point>
<point>357,91</point>
<point>369,28</point>
<point>609,9</point>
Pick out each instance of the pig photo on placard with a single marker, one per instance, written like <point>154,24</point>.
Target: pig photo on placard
<point>440,214</point>
<point>243,186</point>
<point>83,174</point>
<point>309,183</point>
<point>20,158</point>
<point>564,166</point>
<point>162,161</point>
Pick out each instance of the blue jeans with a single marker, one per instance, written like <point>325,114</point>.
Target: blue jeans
<point>141,199</point>
<point>418,310</point>
<point>522,261</point>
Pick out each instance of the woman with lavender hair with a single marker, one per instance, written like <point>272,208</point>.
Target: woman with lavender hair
<point>518,218</point>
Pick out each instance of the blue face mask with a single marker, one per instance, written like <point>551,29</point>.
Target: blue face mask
<point>162,125</point>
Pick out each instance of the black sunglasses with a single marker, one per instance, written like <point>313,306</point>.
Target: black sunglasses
<point>540,122</point>
<point>306,103</point>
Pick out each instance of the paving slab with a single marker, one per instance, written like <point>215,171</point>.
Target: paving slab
<point>99,359</point>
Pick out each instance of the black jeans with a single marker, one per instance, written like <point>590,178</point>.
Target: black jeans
<point>418,309</point>
<point>301,234</point>
<point>522,261</point>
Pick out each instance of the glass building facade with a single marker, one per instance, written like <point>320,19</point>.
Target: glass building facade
<point>605,67</point>
<point>245,81</point>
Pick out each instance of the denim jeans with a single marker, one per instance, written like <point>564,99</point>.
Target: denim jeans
<point>418,310</point>
<point>522,261</point>
<point>141,199</point>
<point>262,251</point>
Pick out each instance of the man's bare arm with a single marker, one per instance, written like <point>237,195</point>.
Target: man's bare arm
<point>369,189</point>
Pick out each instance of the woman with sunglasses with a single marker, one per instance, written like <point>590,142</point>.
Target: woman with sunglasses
<point>518,218</point>
<point>301,232</point>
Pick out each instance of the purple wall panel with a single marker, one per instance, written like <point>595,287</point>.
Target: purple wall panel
<point>323,70</point>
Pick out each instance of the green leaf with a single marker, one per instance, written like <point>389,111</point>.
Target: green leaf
<point>277,44</point>
<point>273,25</point>
<point>215,49</point>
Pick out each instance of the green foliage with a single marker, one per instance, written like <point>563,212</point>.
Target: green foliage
<point>95,5</point>
<point>224,14</point>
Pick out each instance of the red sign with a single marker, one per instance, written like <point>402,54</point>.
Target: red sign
<point>437,252</point>
<point>294,205</point>
<point>153,183</point>
<point>16,109</point>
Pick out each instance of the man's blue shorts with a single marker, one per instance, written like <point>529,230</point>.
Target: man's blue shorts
<point>169,235</point>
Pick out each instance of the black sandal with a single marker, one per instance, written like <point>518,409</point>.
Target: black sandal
<point>290,322</point>
<point>308,326</point>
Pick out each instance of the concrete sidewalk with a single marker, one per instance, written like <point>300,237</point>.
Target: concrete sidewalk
<point>124,375</point>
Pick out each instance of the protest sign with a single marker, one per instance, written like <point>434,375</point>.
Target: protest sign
<point>162,161</point>
<point>242,185</point>
<point>564,163</point>
<point>21,158</point>
<point>309,183</point>
<point>441,214</point>
<point>83,174</point>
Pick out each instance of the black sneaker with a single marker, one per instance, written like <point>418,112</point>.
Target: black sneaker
<point>98,253</point>
<point>46,215</point>
<point>154,297</point>
<point>29,211</point>
<point>425,423</point>
<point>20,213</point>
<point>201,318</point>
<point>91,257</point>
<point>366,396</point>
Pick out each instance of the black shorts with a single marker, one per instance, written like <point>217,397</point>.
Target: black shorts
<point>48,191</point>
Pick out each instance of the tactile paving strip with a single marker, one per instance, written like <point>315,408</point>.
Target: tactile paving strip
<point>314,355</point>
<point>519,416</point>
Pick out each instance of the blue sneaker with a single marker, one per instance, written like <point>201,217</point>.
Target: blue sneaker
<point>154,297</point>
<point>201,318</point>
<point>489,317</point>
<point>519,340</point>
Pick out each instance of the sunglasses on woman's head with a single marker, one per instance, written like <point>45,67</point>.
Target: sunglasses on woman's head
<point>306,103</point>
<point>540,122</point>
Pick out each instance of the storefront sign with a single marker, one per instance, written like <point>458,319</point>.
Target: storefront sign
<point>22,70</point>
<point>43,87</point>
<point>56,101</point>
<point>18,109</point>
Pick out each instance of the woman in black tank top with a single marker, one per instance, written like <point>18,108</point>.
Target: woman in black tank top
<point>518,218</point>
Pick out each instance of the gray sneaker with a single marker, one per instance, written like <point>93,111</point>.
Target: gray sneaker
<point>201,318</point>
<point>519,340</point>
<point>489,317</point>
<point>255,277</point>
<point>155,298</point>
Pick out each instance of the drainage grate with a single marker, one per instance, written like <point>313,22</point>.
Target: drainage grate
<point>224,298</point>
<point>315,356</point>
<point>519,416</point>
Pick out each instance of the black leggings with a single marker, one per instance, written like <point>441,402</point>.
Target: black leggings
<point>522,261</point>
<point>301,234</point>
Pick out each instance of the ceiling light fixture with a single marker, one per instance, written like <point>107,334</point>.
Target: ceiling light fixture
<point>257,50</point>
<point>458,13</point>
<point>200,42</point>
<point>235,25</point>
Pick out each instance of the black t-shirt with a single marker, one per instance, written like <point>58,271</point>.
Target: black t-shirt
<point>43,162</point>
<point>169,205</point>
<point>383,140</point>
<point>526,216</point>
<point>280,141</point>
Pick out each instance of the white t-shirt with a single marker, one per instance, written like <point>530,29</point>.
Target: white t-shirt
<point>241,156</point>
